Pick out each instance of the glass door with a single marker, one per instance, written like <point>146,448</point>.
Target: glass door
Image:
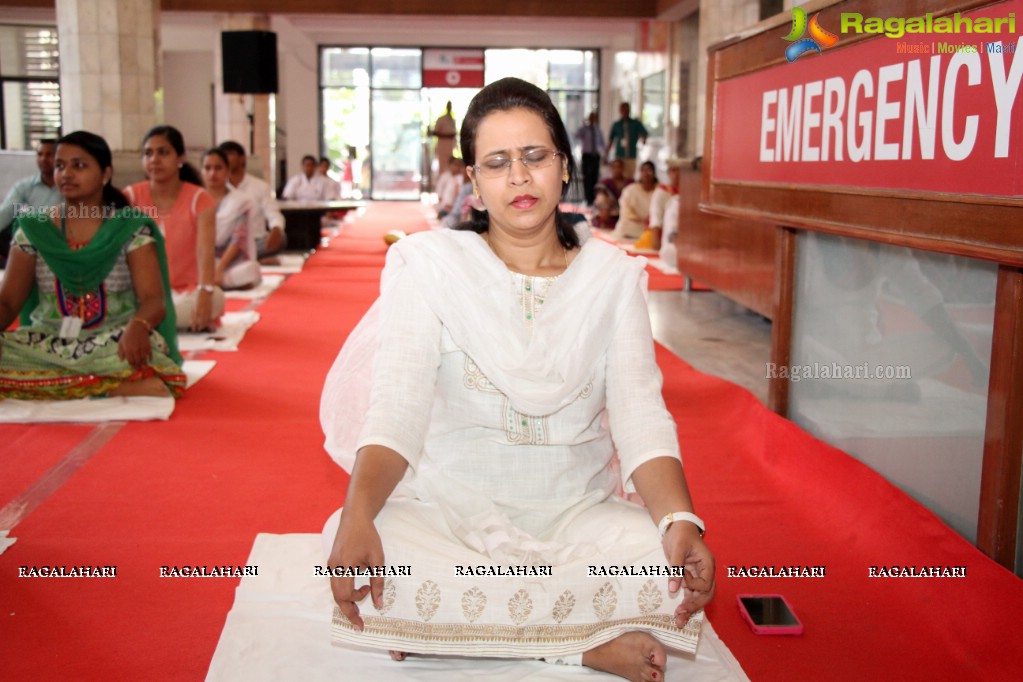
<point>397,153</point>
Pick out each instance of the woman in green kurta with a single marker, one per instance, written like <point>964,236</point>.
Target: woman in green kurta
<point>89,280</point>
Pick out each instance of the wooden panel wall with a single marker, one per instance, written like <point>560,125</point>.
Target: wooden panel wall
<point>734,257</point>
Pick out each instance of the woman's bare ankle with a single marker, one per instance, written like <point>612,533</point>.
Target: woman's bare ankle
<point>635,656</point>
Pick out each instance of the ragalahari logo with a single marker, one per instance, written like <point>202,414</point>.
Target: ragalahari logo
<point>820,38</point>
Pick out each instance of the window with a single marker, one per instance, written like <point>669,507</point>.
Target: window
<point>29,85</point>
<point>373,102</point>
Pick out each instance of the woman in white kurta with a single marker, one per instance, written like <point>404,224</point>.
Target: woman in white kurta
<point>237,222</point>
<point>503,360</point>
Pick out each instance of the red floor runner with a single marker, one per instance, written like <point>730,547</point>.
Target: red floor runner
<point>243,454</point>
<point>28,451</point>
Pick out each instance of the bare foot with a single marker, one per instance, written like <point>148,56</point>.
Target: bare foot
<point>636,656</point>
<point>397,655</point>
<point>150,386</point>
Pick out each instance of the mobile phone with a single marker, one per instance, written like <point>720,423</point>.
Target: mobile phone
<point>769,614</point>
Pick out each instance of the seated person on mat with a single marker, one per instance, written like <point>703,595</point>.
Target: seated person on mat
<point>449,185</point>
<point>605,208</point>
<point>652,236</point>
<point>89,278</point>
<point>270,237</point>
<point>184,211</point>
<point>616,182</point>
<point>634,204</point>
<point>34,192</point>
<point>474,407</point>
<point>235,248</point>
<point>307,185</point>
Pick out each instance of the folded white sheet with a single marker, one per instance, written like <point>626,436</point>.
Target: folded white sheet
<point>6,541</point>
<point>279,628</point>
<point>267,285</point>
<point>100,409</point>
<point>225,338</point>
<point>287,264</point>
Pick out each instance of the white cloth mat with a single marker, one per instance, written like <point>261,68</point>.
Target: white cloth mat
<point>279,628</point>
<point>287,264</point>
<point>100,409</point>
<point>196,370</point>
<point>6,541</point>
<point>226,337</point>
<point>86,410</point>
<point>267,285</point>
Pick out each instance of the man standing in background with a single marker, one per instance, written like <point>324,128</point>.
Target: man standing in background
<point>626,134</point>
<point>591,139</point>
<point>32,193</point>
<point>444,130</point>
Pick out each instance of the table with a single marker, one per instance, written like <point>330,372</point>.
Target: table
<point>302,220</point>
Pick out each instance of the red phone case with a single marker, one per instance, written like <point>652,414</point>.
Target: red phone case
<point>796,629</point>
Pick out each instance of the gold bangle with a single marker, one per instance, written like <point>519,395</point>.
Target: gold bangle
<point>144,322</point>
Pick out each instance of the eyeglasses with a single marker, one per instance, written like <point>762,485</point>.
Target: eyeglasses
<point>534,159</point>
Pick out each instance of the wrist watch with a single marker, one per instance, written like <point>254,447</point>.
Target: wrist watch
<point>680,516</point>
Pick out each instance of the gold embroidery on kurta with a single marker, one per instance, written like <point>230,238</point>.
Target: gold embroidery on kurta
<point>519,607</point>
<point>605,601</point>
<point>388,596</point>
<point>427,600</point>
<point>406,630</point>
<point>473,603</point>
<point>563,607</point>
<point>649,598</point>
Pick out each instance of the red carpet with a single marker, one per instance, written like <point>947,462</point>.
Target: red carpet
<point>243,454</point>
<point>29,450</point>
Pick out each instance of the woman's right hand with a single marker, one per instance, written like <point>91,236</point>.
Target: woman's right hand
<point>357,545</point>
<point>203,311</point>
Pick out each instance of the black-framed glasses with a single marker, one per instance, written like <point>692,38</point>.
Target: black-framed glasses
<point>534,159</point>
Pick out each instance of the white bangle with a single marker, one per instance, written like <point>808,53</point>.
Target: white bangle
<point>680,516</point>
<point>208,288</point>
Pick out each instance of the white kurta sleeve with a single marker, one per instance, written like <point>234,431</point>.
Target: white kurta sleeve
<point>404,373</point>
<point>641,426</point>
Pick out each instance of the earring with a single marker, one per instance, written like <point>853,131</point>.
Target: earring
<point>564,176</point>
<point>476,191</point>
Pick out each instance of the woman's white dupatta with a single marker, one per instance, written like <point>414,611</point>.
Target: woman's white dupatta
<point>470,290</point>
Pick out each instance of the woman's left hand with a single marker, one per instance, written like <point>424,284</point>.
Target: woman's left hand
<point>202,311</point>
<point>134,347</point>
<point>683,546</point>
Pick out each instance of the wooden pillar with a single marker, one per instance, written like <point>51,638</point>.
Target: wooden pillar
<point>782,319</point>
<point>1003,439</point>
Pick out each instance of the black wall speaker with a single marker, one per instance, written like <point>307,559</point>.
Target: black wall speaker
<point>249,61</point>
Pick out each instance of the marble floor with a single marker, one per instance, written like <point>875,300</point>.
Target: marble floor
<point>714,335</point>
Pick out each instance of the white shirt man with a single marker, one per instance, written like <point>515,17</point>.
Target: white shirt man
<point>307,185</point>
<point>271,239</point>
